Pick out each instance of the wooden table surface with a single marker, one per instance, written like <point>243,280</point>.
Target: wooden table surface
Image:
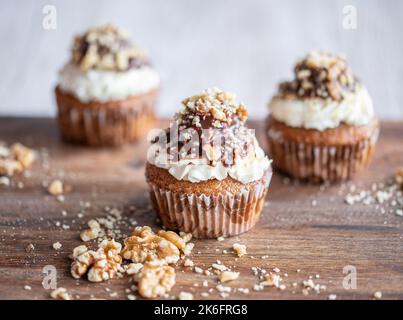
<point>294,233</point>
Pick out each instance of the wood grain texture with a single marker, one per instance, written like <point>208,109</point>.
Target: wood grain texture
<point>293,233</point>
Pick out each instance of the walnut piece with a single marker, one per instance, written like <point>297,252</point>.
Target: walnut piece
<point>183,295</point>
<point>240,249</point>
<point>92,232</point>
<point>145,245</point>
<point>25,156</point>
<point>271,280</point>
<point>15,159</point>
<point>60,294</point>
<point>154,281</point>
<point>178,241</point>
<point>55,188</point>
<point>100,265</point>
<point>133,268</point>
<point>228,276</point>
<point>399,176</point>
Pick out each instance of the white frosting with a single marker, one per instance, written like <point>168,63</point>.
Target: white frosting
<point>105,85</point>
<point>244,170</point>
<point>355,109</point>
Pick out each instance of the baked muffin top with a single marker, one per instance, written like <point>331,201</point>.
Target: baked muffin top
<point>106,47</point>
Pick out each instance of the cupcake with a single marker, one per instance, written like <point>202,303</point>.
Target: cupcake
<point>106,93</point>
<point>322,126</point>
<point>206,172</point>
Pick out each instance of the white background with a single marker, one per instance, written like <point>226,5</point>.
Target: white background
<point>242,46</point>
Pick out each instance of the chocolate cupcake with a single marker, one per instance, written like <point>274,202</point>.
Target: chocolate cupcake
<point>106,93</point>
<point>206,172</point>
<point>322,126</point>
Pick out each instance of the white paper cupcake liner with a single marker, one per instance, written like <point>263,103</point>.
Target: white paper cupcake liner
<point>112,125</point>
<point>320,163</point>
<point>211,216</point>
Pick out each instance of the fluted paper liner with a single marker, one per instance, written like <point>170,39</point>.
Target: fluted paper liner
<point>211,216</point>
<point>320,163</point>
<point>117,123</point>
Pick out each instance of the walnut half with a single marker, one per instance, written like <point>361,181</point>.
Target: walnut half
<point>100,265</point>
<point>145,245</point>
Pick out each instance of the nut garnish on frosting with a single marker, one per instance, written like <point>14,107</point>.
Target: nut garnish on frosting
<point>208,139</point>
<point>106,66</point>
<point>323,95</point>
<point>320,75</point>
<point>213,107</point>
<point>106,48</point>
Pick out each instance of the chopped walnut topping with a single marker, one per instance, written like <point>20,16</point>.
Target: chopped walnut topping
<point>220,105</point>
<point>101,265</point>
<point>240,249</point>
<point>15,159</point>
<point>55,188</point>
<point>321,75</point>
<point>213,154</point>
<point>60,294</point>
<point>154,282</point>
<point>107,48</point>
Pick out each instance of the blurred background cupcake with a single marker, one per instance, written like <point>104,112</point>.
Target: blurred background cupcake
<point>207,174</point>
<point>107,92</point>
<point>322,125</point>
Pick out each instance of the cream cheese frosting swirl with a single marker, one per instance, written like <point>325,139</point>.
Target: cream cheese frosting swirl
<point>107,85</point>
<point>214,113</point>
<point>244,170</point>
<point>316,113</point>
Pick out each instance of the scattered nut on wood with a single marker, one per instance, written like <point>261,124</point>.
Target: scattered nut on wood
<point>55,188</point>
<point>240,249</point>
<point>60,294</point>
<point>228,276</point>
<point>57,245</point>
<point>185,295</point>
